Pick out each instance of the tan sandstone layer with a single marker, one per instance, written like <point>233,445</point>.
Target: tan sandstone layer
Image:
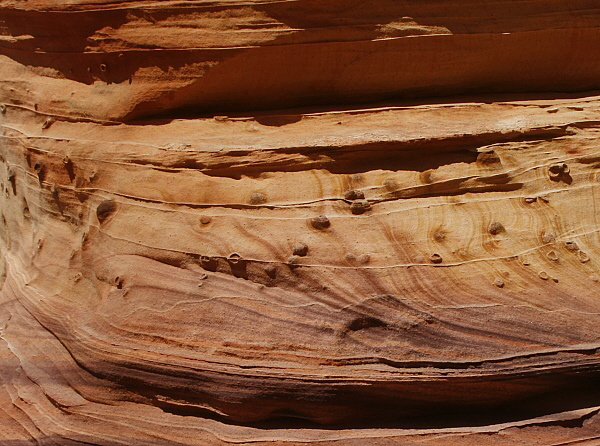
<point>182,266</point>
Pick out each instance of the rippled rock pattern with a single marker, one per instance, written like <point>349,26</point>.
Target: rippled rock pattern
<point>183,265</point>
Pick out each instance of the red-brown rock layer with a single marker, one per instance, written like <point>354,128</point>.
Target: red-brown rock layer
<point>114,61</point>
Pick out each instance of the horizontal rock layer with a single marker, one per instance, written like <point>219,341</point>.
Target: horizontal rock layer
<point>121,61</point>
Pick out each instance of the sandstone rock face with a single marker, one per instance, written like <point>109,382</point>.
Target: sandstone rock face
<point>183,265</point>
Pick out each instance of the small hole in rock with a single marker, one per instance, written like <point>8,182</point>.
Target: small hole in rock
<point>105,209</point>
<point>363,322</point>
<point>435,258</point>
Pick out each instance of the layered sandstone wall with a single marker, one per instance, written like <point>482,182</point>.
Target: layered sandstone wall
<point>182,265</point>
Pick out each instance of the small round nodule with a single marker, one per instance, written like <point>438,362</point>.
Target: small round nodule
<point>552,256</point>
<point>556,171</point>
<point>571,245</point>
<point>495,228</point>
<point>360,207</point>
<point>530,200</point>
<point>390,185</point>
<point>105,209</point>
<point>435,258</point>
<point>205,219</point>
<point>548,237</point>
<point>543,275</point>
<point>257,198</point>
<point>234,258</point>
<point>499,283</point>
<point>354,195</point>
<point>439,236</point>
<point>300,249</point>
<point>320,222</point>
<point>363,259</point>
<point>293,261</point>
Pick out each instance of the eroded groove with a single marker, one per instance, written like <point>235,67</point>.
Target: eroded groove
<point>392,155</point>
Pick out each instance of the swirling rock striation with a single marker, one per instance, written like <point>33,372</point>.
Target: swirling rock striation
<point>182,266</point>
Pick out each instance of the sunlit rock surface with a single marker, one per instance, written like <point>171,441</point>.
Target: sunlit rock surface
<point>271,222</point>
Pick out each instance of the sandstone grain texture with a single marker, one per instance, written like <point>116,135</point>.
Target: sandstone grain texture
<point>268,222</point>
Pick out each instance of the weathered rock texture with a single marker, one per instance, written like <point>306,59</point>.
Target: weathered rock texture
<point>182,266</point>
